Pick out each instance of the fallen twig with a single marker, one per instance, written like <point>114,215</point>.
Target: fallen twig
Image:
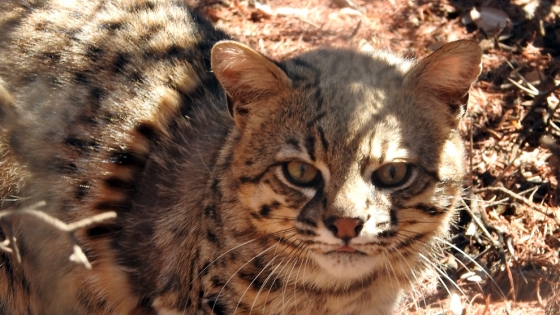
<point>546,211</point>
<point>484,225</point>
<point>9,244</point>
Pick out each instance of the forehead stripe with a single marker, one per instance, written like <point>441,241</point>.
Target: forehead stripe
<point>322,137</point>
<point>310,146</point>
<point>316,119</point>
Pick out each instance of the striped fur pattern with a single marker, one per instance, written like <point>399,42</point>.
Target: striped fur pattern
<point>242,185</point>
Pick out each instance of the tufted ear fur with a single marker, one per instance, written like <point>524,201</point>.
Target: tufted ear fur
<point>247,77</point>
<point>448,73</point>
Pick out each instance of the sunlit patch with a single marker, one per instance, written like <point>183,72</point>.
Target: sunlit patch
<point>66,3</point>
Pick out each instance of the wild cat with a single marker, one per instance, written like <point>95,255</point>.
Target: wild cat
<point>241,185</point>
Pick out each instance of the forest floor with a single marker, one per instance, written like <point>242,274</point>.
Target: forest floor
<point>504,252</point>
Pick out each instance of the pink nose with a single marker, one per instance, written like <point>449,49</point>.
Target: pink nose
<point>345,228</point>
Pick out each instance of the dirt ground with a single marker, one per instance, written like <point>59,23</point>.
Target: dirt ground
<point>504,252</point>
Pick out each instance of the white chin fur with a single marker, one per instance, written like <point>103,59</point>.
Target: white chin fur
<point>346,266</point>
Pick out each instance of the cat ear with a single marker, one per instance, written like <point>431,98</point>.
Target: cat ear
<point>448,73</point>
<point>247,77</point>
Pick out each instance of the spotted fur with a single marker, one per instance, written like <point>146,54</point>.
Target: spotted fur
<point>143,108</point>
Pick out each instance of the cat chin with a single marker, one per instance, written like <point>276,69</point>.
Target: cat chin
<point>345,265</point>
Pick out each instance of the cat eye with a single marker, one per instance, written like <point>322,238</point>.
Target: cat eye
<point>300,173</point>
<point>392,175</point>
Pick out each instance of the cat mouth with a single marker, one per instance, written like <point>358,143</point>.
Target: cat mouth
<point>346,249</point>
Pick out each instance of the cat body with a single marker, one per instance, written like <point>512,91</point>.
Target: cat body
<point>241,185</point>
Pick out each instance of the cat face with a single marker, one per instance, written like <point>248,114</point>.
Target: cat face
<point>347,158</point>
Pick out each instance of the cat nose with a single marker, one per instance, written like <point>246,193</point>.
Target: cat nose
<point>344,228</point>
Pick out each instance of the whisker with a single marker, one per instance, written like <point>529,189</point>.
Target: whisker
<point>287,280</point>
<point>297,275</point>
<point>410,268</point>
<point>271,273</point>
<point>302,280</point>
<point>263,285</point>
<point>295,287</point>
<point>417,221</point>
<point>283,292</point>
<point>213,261</point>
<point>442,281</point>
<point>280,217</point>
<point>276,278</point>
<point>441,272</point>
<point>284,231</point>
<point>386,265</point>
<point>245,264</point>
<point>417,280</point>
<point>256,277</point>
<point>474,262</point>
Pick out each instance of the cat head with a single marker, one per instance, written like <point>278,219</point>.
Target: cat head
<point>350,158</point>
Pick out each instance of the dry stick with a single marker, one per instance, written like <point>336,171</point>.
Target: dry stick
<point>538,98</point>
<point>309,22</point>
<point>550,111</point>
<point>546,211</point>
<point>516,152</point>
<point>356,29</point>
<point>511,283</point>
<point>532,90</point>
<point>78,256</point>
<point>471,147</point>
<point>539,298</point>
<point>475,208</point>
<point>486,305</point>
<point>484,227</point>
<point>536,94</point>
